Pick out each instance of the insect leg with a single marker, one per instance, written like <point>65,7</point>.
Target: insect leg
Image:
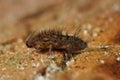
<point>70,48</point>
<point>69,55</point>
<point>65,57</point>
<point>50,50</point>
<point>28,38</point>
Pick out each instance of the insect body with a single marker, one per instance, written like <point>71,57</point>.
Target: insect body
<point>55,40</point>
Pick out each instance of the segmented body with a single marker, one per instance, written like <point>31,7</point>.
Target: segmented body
<point>57,41</point>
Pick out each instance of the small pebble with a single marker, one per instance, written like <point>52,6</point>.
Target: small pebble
<point>20,40</point>
<point>70,62</point>
<point>116,7</point>
<point>21,68</point>
<point>89,26</point>
<point>119,53</point>
<point>102,61</point>
<point>118,58</point>
<point>39,77</point>
<point>50,71</point>
<point>36,65</point>
<point>95,34</point>
<point>86,58</point>
<point>106,53</point>
<point>85,32</point>
<point>3,69</point>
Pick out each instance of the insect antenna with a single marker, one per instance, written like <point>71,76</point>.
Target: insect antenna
<point>28,38</point>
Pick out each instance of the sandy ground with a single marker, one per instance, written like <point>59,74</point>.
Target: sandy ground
<point>99,23</point>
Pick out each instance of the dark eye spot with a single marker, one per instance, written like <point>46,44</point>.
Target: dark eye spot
<point>28,45</point>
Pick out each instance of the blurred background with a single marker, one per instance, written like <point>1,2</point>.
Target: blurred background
<point>29,14</point>
<point>99,21</point>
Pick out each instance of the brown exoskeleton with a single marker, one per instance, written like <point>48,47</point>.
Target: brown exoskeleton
<point>55,40</point>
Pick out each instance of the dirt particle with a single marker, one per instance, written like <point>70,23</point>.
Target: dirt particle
<point>102,61</point>
<point>118,58</point>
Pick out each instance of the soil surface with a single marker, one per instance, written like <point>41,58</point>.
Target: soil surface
<point>99,24</point>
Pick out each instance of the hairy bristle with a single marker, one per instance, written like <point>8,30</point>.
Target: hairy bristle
<point>29,37</point>
<point>49,32</point>
<point>55,39</point>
